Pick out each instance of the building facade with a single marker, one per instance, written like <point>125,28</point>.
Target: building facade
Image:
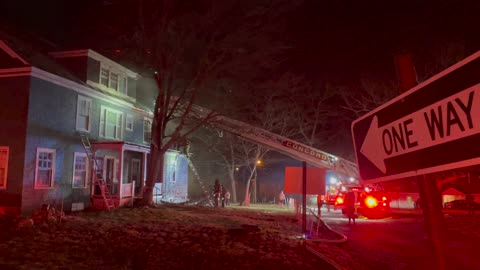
<point>44,107</point>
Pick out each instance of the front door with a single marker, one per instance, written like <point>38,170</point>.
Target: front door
<point>136,174</point>
<point>110,175</point>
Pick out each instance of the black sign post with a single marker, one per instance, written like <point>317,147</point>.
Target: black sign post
<point>432,127</point>
<point>435,126</point>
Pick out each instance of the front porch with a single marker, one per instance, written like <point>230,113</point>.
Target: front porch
<point>123,167</point>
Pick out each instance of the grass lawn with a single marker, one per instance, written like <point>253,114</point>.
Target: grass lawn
<point>166,237</point>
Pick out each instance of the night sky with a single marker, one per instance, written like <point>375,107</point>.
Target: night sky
<point>336,41</point>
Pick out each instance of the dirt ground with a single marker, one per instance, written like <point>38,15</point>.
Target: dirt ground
<point>166,237</point>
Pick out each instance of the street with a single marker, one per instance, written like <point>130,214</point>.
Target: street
<point>399,242</point>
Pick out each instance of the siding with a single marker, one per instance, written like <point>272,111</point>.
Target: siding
<point>93,70</point>
<point>51,124</point>
<point>13,115</point>
<point>76,65</point>
<point>175,177</point>
<point>132,88</point>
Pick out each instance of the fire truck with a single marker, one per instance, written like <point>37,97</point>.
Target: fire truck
<point>370,202</point>
<point>340,172</point>
<point>342,175</point>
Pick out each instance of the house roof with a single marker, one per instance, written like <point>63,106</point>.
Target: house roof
<point>24,49</point>
<point>464,186</point>
<point>94,55</point>
<point>29,49</point>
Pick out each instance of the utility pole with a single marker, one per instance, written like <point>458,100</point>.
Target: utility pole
<point>430,197</point>
<point>304,197</point>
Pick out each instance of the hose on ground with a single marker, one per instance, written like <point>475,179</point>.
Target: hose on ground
<point>342,236</point>
<point>318,254</point>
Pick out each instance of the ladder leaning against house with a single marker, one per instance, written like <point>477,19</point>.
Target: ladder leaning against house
<point>197,176</point>
<point>97,177</point>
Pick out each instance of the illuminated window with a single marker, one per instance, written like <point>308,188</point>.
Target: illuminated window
<point>129,122</point>
<point>104,76</point>
<point>45,168</point>
<point>111,124</point>
<point>147,130</point>
<point>3,166</point>
<point>80,170</point>
<point>84,110</point>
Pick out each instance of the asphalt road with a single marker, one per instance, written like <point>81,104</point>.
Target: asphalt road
<point>399,243</point>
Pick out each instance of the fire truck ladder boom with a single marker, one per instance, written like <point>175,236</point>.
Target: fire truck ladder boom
<point>279,143</point>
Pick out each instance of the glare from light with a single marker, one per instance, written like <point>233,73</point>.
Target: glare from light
<point>259,162</point>
<point>339,200</point>
<point>371,202</point>
<point>333,180</point>
<point>352,179</point>
<point>384,198</point>
<point>236,169</point>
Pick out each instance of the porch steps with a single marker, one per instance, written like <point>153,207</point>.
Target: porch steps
<point>197,176</point>
<point>98,177</point>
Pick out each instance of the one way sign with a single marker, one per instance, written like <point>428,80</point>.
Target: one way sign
<point>432,127</point>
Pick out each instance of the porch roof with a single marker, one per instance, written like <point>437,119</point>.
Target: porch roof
<point>120,145</point>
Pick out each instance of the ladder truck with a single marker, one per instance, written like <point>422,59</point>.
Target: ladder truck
<point>344,169</point>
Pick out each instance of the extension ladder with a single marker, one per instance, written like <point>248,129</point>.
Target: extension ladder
<point>197,177</point>
<point>98,177</point>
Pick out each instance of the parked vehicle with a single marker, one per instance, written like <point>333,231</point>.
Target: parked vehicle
<point>460,205</point>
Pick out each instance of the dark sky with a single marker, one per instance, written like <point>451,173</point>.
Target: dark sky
<point>337,40</point>
<point>333,38</point>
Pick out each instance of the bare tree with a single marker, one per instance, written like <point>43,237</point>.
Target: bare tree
<point>228,155</point>
<point>369,95</point>
<point>312,112</point>
<point>193,49</point>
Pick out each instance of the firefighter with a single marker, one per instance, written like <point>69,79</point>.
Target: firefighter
<point>350,206</point>
<point>216,192</point>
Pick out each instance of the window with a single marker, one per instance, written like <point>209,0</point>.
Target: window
<point>104,76</point>
<point>111,124</point>
<point>122,85</point>
<point>147,130</point>
<point>84,111</point>
<point>80,170</point>
<point>129,122</point>
<point>45,169</point>
<point>3,166</point>
<point>113,81</point>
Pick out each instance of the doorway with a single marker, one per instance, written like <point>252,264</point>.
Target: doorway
<point>136,174</point>
<point>110,172</point>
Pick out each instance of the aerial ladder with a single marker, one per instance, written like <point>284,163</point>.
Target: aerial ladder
<point>294,149</point>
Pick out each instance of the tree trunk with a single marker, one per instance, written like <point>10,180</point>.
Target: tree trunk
<point>246,201</point>
<point>154,173</point>
<point>232,181</point>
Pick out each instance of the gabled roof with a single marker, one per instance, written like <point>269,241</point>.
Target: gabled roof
<point>23,52</point>
<point>464,186</point>
<point>94,55</point>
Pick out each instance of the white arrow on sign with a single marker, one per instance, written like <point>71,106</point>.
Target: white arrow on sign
<point>452,118</point>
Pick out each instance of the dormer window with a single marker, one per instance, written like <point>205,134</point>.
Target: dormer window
<point>113,80</point>
<point>104,76</point>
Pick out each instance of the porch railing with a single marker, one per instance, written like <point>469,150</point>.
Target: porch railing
<point>128,190</point>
